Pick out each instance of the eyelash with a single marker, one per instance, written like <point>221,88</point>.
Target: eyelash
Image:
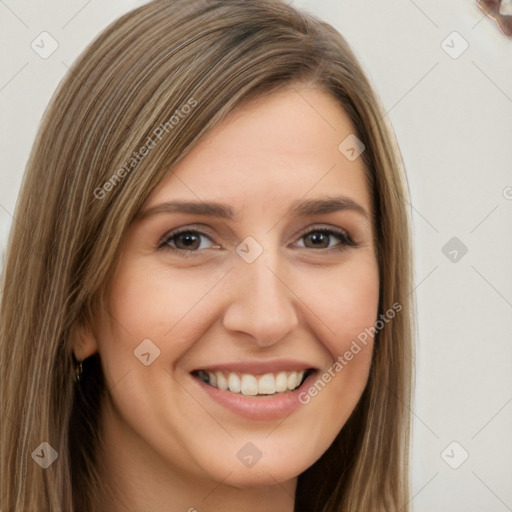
<point>343,236</point>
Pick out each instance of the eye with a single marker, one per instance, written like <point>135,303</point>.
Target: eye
<point>187,240</point>
<point>325,238</point>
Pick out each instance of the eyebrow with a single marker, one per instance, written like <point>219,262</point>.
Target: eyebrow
<point>214,209</point>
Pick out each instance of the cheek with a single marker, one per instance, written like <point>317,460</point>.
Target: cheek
<point>150,303</point>
<point>349,305</point>
<point>348,308</point>
<point>156,302</point>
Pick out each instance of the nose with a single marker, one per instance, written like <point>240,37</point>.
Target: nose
<point>261,304</point>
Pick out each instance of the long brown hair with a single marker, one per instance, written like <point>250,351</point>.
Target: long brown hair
<point>85,182</point>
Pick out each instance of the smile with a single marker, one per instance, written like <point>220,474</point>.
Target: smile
<point>255,390</point>
<point>253,385</point>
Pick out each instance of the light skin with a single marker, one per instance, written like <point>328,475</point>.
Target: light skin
<point>168,445</point>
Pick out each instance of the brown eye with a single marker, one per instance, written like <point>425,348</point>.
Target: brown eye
<point>188,240</point>
<point>325,239</point>
<point>317,240</point>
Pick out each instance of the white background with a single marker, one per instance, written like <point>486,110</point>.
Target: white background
<point>453,120</point>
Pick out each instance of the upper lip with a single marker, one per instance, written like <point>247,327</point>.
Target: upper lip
<point>259,367</point>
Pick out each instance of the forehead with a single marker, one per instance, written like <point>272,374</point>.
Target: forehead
<point>269,152</point>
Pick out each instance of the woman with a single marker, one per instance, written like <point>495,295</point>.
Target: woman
<point>206,298</point>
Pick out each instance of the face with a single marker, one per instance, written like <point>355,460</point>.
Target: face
<point>247,276</point>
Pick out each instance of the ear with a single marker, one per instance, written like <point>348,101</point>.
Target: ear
<point>83,341</point>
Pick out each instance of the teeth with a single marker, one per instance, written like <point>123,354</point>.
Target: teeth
<point>267,384</point>
<point>203,376</point>
<point>292,380</point>
<point>250,385</point>
<point>234,383</point>
<point>281,382</point>
<point>222,383</point>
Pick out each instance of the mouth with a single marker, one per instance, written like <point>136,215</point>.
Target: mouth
<point>255,385</point>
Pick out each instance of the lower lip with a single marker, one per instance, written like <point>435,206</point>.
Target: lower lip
<point>261,408</point>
